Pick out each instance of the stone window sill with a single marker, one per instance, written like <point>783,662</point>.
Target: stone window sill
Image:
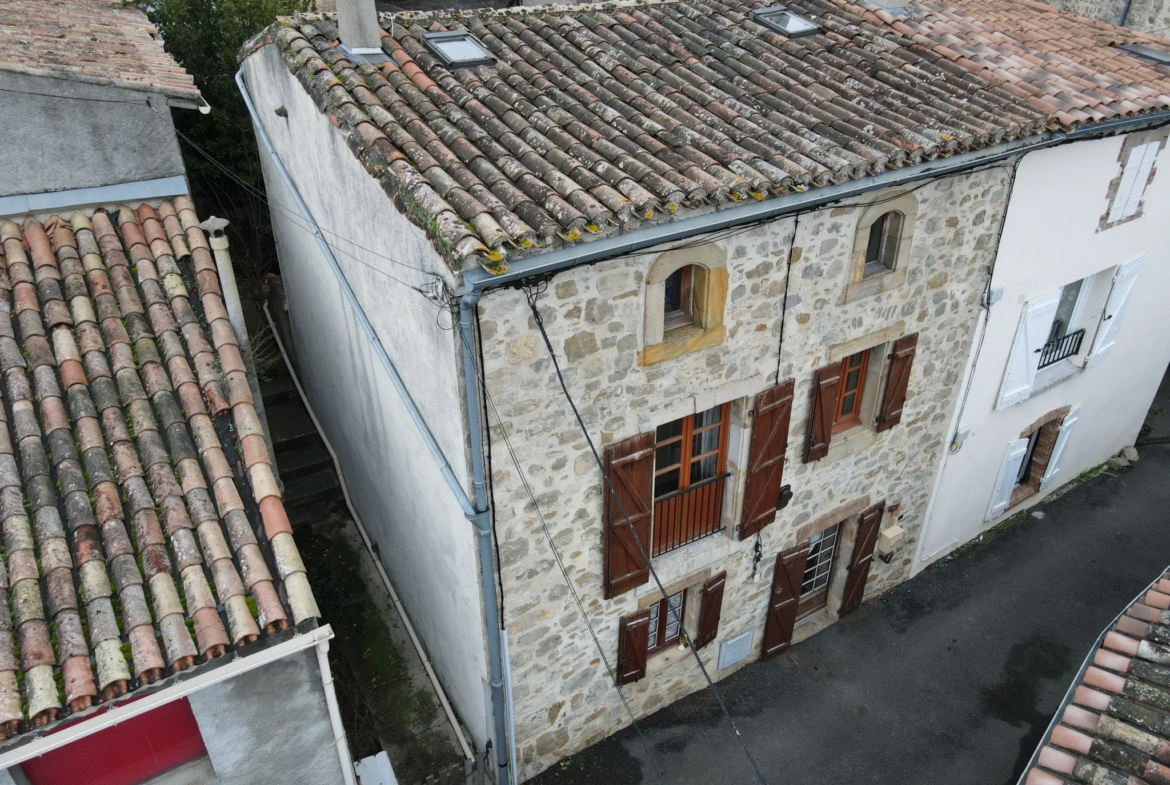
<point>684,340</point>
<point>850,442</point>
<point>874,284</point>
<point>1055,374</point>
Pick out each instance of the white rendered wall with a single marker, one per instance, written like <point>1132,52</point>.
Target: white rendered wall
<point>428,548</point>
<point>1051,239</point>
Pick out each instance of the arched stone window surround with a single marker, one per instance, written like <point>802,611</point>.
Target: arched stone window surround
<point>861,285</point>
<point>709,293</point>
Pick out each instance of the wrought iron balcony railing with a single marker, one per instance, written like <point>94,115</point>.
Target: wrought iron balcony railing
<point>1060,349</point>
<point>688,515</point>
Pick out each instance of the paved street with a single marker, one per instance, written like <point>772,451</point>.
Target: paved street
<point>950,678</point>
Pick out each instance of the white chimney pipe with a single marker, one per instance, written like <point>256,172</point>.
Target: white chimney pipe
<point>360,34</point>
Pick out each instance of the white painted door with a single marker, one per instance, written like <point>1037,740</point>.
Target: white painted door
<point>1123,285</point>
<point>1008,471</point>
<point>1031,335</point>
<point>1050,474</point>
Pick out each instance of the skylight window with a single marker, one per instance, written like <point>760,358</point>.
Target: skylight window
<point>785,22</point>
<point>1147,53</point>
<point>458,49</point>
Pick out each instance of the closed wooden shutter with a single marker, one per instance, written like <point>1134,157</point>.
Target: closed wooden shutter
<point>867,536</point>
<point>709,609</point>
<point>765,472</point>
<point>1031,335</point>
<point>633,645</point>
<point>826,381</point>
<point>630,466</point>
<point>784,600</point>
<point>1052,472</point>
<point>895,395</point>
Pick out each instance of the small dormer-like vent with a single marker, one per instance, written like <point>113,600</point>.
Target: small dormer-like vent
<point>458,49</point>
<point>785,22</point>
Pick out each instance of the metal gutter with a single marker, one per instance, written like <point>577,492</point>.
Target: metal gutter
<point>480,280</point>
<point>109,195</point>
<point>476,513</point>
<point>135,705</point>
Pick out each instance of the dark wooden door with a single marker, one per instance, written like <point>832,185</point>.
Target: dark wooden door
<point>783,601</point>
<point>863,548</point>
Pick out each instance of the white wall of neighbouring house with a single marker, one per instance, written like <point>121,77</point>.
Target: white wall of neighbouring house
<point>427,546</point>
<point>1052,237</point>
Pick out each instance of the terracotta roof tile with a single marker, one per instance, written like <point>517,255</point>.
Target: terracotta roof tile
<point>128,465</point>
<point>1114,727</point>
<point>104,41</point>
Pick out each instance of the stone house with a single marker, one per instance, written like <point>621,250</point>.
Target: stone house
<point>741,253</point>
<point>156,620</point>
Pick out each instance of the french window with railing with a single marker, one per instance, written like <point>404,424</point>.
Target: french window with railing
<point>690,475</point>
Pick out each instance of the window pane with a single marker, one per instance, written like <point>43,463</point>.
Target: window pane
<point>667,455</point>
<point>877,231</point>
<point>851,380</point>
<point>461,49</point>
<point>666,483</point>
<point>704,468</point>
<point>1061,324</point>
<point>670,430</point>
<point>893,232</point>
<point>847,405</point>
<point>707,441</point>
<point>709,417</point>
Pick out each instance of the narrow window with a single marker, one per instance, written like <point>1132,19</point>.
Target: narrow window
<point>666,620</point>
<point>678,306</point>
<point>881,252</point>
<point>690,459</point>
<point>814,585</point>
<point>849,393</point>
<point>1029,454</point>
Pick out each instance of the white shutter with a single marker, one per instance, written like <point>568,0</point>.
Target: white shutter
<point>1123,283</point>
<point>1012,461</point>
<point>1133,181</point>
<point>1031,335</point>
<point>1066,427</point>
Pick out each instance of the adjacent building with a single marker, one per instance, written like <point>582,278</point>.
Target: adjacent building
<point>156,623</point>
<point>677,306</point>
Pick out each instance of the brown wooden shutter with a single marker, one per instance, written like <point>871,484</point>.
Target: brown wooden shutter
<point>784,600</point>
<point>867,537</point>
<point>765,472</point>
<point>630,466</point>
<point>633,644</point>
<point>709,610</point>
<point>895,394</point>
<point>824,408</point>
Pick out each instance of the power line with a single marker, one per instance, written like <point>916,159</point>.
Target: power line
<point>532,294</point>
<point>561,565</point>
<point>145,103</point>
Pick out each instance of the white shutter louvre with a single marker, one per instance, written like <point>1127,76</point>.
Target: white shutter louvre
<point>1129,183</point>
<point>1050,474</point>
<point>1123,284</point>
<point>1008,472</point>
<point>1136,193</point>
<point>1031,335</point>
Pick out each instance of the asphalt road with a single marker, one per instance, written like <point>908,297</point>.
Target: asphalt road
<point>949,679</point>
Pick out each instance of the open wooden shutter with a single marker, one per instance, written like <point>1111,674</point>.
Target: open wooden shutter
<point>824,407</point>
<point>630,466</point>
<point>709,609</point>
<point>1052,471</point>
<point>765,472</point>
<point>894,398</point>
<point>1123,285</point>
<point>633,644</point>
<point>784,600</point>
<point>867,537</point>
<point>1031,335</point>
<point>1006,482</point>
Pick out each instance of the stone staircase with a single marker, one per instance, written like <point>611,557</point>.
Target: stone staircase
<point>305,466</point>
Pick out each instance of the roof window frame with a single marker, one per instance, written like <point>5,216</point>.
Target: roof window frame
<point>1148,53</point>
<point>768,17</point>
<point>433,41</point>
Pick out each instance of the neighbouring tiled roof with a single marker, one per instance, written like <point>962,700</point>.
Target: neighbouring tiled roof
<point>130,454</point>
<point>1116,728</point>
<point>617,115</point>
<point>104,41</point>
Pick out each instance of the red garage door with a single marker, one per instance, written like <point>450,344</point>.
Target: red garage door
<point>126,754</point>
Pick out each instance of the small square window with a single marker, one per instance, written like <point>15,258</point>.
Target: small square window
<point>785,22</point>
<point>458,49</point>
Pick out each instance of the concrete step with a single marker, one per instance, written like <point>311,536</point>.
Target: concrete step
<point>301,461</point>
<point>291,426</point>
<point>314,487</point>
<point>278,390</point>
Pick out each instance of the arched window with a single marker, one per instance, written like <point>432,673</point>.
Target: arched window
<point>881,252</point>
<point>678,309</point>
<point>686,291</point>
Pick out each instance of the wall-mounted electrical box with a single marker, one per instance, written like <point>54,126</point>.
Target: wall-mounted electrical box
<point>890,539</point>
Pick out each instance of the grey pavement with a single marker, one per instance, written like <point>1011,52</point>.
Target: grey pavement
<point>950,678</point>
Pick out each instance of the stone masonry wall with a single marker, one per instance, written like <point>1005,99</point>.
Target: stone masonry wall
<point>594,315</point>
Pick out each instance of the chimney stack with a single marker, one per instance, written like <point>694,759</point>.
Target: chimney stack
<point>361,37</point>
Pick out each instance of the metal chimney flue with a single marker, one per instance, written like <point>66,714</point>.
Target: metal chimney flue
<point>361,37</point>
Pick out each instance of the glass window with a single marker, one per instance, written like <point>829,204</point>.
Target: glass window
<point>690,460</point>
<point>458,48</point>
<point>881,252</point>
<point>678,305</point>
<point>1065,311</point>
<point>849,393</point>
<point>784,22</point>
<point>666,620</point>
